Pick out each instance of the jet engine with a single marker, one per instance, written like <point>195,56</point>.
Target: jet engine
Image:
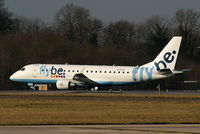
<point>64,84</point>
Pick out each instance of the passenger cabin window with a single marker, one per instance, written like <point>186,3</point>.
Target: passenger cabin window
<point>23,69</point>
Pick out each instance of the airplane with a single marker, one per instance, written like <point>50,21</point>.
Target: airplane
<point>66,76</point>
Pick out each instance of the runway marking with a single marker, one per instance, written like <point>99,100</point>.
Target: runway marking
<point>102,129</point>
<point>140,130</point>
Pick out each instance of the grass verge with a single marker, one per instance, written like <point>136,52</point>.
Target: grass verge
<point>40,108</point>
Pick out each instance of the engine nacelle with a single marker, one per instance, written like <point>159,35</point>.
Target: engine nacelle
<point>64,84</point>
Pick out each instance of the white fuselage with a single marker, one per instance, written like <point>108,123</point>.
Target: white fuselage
<point>103,75</point>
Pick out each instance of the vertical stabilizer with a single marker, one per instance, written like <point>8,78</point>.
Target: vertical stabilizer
<point>168,56</point>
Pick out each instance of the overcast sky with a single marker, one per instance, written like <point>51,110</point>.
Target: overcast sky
<point>106,10</point>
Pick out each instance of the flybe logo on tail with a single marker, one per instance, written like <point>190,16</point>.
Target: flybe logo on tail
<point>167,58</point>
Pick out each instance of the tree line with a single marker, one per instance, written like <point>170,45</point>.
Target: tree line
<point>75,37</point>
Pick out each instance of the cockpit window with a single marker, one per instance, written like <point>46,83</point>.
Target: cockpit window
<point>23,69</point>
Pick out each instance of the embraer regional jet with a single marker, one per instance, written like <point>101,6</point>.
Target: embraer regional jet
<point>94,77</point>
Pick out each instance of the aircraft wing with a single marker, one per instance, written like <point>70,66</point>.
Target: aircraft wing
<point>82,78</point>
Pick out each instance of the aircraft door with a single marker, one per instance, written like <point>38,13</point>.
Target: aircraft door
<point>35,71</point>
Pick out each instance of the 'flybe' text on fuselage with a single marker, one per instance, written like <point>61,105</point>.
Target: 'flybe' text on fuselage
<point>53,72</point>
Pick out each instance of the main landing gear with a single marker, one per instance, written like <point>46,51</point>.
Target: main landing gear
<point>94,89</point>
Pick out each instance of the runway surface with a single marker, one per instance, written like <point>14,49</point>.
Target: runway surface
<point>52,95</point>
<point>103,129</point>
<point>43,97</point>
<point>197,92</point>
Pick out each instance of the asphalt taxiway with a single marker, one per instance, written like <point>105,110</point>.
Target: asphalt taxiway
<point>103,129</point>
<point>189,92</point>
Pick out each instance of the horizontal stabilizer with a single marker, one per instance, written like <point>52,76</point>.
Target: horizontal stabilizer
<point>166,71</point>
<point>182,71</point>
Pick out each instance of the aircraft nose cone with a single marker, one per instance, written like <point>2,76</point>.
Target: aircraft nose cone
<point>12,77</point>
